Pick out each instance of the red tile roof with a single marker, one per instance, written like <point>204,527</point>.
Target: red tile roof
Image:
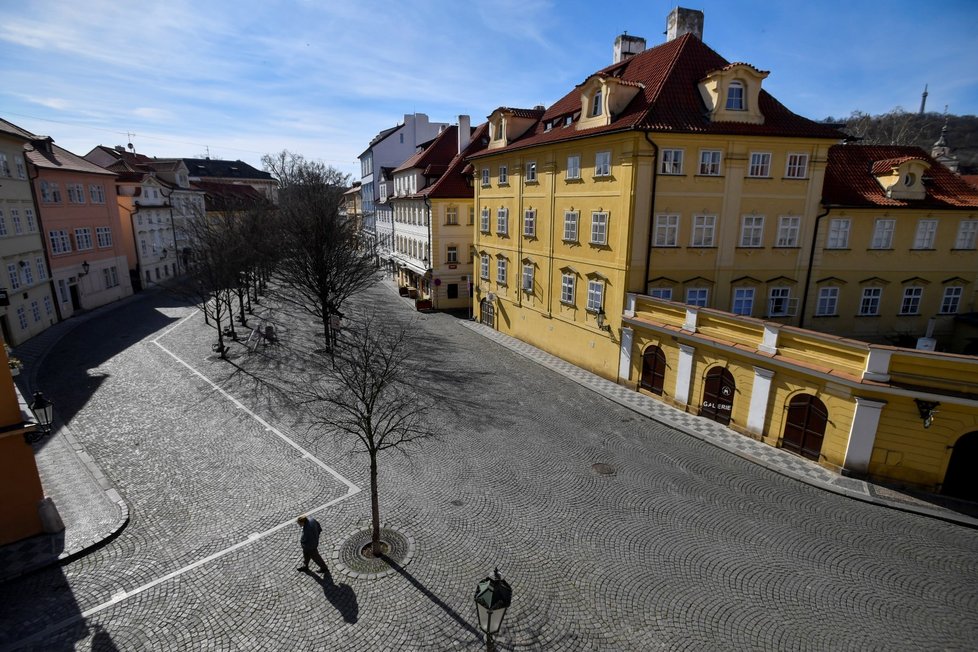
<point>438,151</point>
<point>850,179</point>
<point>58,158</point>
<point>887,165</point>
<point>454,183</point>
<point>669,101</point>
<point>971,179</point>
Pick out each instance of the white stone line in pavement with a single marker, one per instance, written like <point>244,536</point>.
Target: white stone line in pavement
<point>351,488</point>
<point>120,596</point>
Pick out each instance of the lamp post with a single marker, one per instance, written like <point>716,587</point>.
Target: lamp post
<point>492,598</point>
<point>85,268</point>
<point>43,411</point>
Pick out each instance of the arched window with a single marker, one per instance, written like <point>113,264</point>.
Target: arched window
<point>735,97</point>
<point>653,370</point>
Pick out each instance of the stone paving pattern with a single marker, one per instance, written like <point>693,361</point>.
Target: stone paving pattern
<point>684,546</point>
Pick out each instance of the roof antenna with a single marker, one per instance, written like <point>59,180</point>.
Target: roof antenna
<point>208,150</point>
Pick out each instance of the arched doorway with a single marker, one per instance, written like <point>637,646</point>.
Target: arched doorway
<point>804,426</point>
<point>718,395</point>
<point>961,481</point>
<point>653,370</point>
<point>487,313</point>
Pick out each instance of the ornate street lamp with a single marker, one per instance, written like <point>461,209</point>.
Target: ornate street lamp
<point>85,268</point>
<point>43,411</point>
<point>492,598</point>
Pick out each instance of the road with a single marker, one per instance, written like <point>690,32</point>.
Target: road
<point>683,546</point>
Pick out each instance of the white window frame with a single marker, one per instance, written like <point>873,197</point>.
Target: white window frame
<point>760,165</point>
<point>571,220</point>
<point>530,223</point>
<point>573,167</point>
<point>742,302</point>
<point>15,220</point>
<point>60,242</point>
<point>883,230</point>
<point>599,227</point>
<point>531,171</point>
<point>661,293</point>
<point>796,166</point>
<point>697,297</point>
<point>568,284</point>
<point>451,215</point>
<point>484,220</point>
<point>838,236</point>
<point>704,231</point>
<point>596,103</point>
<point>22,317</point>
<point>502,221</point>
<point>595,295</point>
<point>967,237</point>
<point>42,268</point>
<point>484,267</point>
<point>789,231</point>
<point>13,275</point>
<point>602,164</point>
<point>672,161</point>
<point>752,231</point>
<point>736,101</point>
<point>926,234</point>
<point>485,177</point>
<point>3,224</point>
<point>83,239</point>
<point>527,277</point>
<point>503,175</point>
<point>710,160</point>
<point>951,301</point>
<point>779,301</point>
<point>869,303</point>
<point>501,270</point>
<point>666,230</point>
<point>828,302</point>
<point>913,296</point>
<point>451,254</point>
<point>28,273</point>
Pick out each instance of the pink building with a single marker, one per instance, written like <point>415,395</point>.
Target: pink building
<point>80,223</point>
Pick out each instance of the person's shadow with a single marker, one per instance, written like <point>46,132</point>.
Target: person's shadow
<point>341,596</point>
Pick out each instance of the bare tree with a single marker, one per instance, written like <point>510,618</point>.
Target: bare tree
<point>897,127</point>
<point>323,262</point>
<point>365,393</point>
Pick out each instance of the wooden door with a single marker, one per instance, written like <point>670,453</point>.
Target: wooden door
<point>488,313</point>
<point>804,427</point>
<point>718,395</point>
<point>653,370</point>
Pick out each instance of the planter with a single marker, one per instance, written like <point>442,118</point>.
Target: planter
<point>15,371</point>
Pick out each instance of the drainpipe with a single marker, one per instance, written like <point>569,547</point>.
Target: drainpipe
<point>811,262</point>
<point>648,245</point>
<point>40,230</point>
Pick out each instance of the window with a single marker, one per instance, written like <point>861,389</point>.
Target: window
<point>21,170</point>
<point>60,242</point>
<point>36,311</point>
<point>661,293</point>
<point>697,296</point>
<point>451,215</point>
<point>83,238</point>
<point>31,224</point>
<point>602,164</point>
<point>883,234</point>
<point>951,300</point>
<point>870,304</point>
<point>828,302</point>
<point>42,269</point>
<point>567,281</point>
<point>484,267</point>
<point>672,161</point>
<point>797,167</point>
<point>710,162</point>
<point>28,273</point>
<point>788,229</point>
<point>574,167</point>
<point>471,215</point>
<point>967,234</point>
<point>666,230</point>
<point>76,193</point>
<point>451,255</point>
<point>778,302</point>
<point>503,174</point>
<point>599,228</point>
<point>570,226</point>
<point>15,220</point>
<point>596,107</point>
<point>484,220</point>
<point>752,231</point>
<point>111,276</point>
<point>50,192</point>
<point>531,171</point>
<point>528,277</point>
<point>501,271</point>
<point>911,300</point>
<point>838,234</point>
<point>485,177</point>
<point>743,301</point>
<point>13,275</point>
<point>48,306</point>
<point>926,231</point>
<point>760,164</point>
<point>704,230</point>
<point>103,235</point>
<point>62,290</point>
<point>22,317</point>
<point>3,224</point>
<point>143,247</point>
<point>595,295</point>
<point>735,96</point>
<point>502,221</point>
<point>4,165</point>
<point>530,223</point>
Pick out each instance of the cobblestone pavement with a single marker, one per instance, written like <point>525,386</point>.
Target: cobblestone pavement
<point>683,546</point>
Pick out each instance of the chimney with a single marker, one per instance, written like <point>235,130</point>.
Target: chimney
<point>627,47</point>
<point>684,21</point>
<point>464,132</point>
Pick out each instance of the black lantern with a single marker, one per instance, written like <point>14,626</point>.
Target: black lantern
<point>927,410</point>
<point>492,599</point>
<point>43,411</point>
<point>85,268</point>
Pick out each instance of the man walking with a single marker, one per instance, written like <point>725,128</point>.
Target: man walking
<point>310,543</point>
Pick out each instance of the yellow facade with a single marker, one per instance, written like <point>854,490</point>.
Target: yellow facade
<point>451,247</point>
<point>874,425</point>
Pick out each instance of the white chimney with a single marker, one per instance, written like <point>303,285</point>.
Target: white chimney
<point>627,47</point>
<point>464,132</point>
<point>684,21</point>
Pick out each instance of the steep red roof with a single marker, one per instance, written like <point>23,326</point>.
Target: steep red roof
<point>850,178</point>
<point>439,151</point>
<point>454,183</point>
<point>669,101</point>
<point>45,154</point>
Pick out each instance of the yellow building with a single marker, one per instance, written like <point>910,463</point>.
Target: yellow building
<point>896,253</point>
<point>670,172</point>
<point>883,412</point>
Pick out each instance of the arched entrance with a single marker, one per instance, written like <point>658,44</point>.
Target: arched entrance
<point>961,481</point>
<point>653,370</point>
<point>487,313</point>
<point>718,395</point>
<point>804,426</point>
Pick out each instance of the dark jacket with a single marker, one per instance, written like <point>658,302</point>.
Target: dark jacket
<point>310,533</point>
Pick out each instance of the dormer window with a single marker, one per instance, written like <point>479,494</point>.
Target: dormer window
<point>596,103</point>
<point>735,96</point>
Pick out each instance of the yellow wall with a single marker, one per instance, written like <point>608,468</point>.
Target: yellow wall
<point>458,235</point>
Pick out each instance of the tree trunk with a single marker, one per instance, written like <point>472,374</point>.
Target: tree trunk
<point>241,307</point>
<point>374,504</point>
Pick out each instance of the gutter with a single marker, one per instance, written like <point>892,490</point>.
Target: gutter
<point>811,262</point>
<point>648,244</point>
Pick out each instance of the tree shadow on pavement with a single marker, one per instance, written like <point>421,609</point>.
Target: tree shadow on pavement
<point>341,596</point>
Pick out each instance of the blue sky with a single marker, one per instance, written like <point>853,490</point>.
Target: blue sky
<point>322,77</point>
